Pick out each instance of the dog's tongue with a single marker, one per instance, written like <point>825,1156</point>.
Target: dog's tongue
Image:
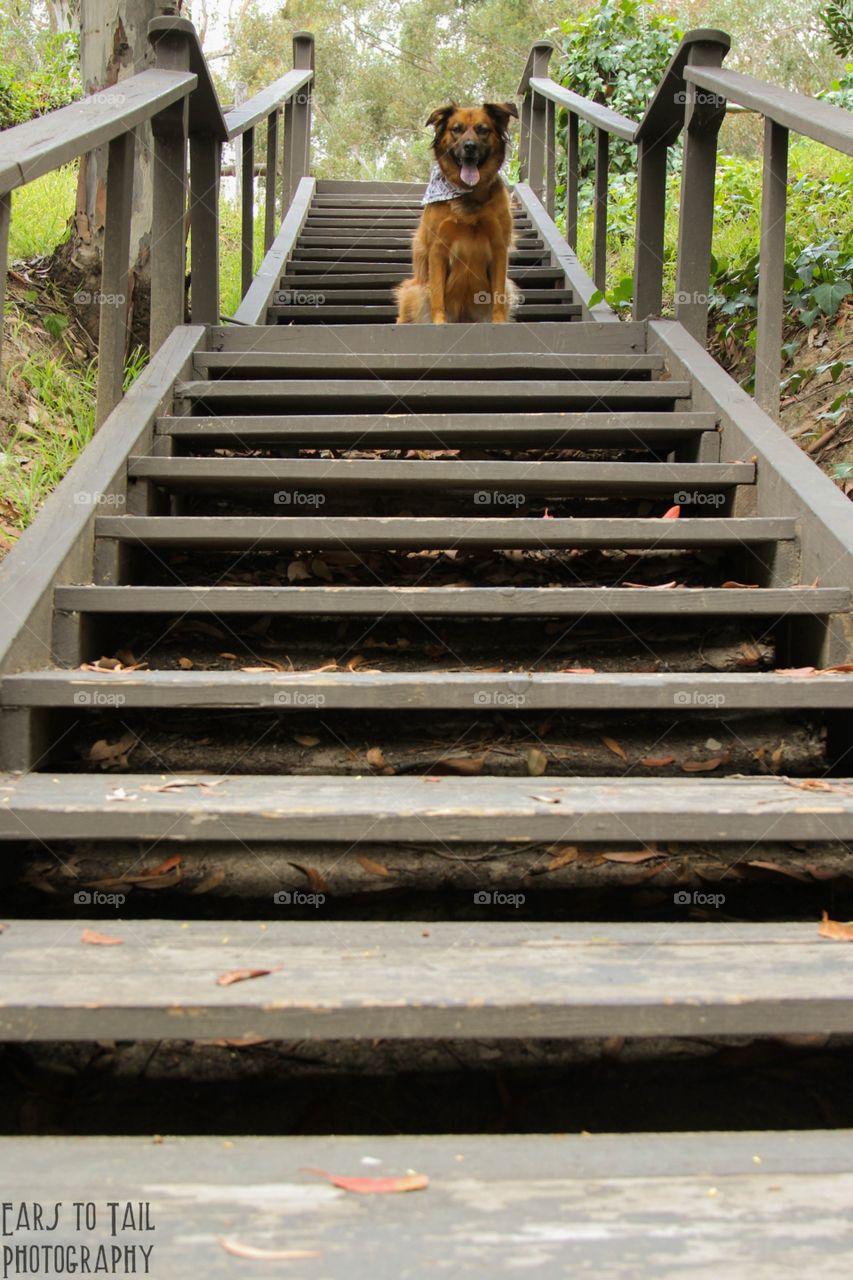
<point>470,174</point>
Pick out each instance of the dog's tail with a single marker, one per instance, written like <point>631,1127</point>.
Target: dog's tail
<point>413,305</point>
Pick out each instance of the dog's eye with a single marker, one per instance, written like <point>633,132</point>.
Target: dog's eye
<point>458,128</point>
<point>483,130</point>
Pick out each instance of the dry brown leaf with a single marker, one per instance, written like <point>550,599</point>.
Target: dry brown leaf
<point>112,753</point>
<point>297,571</point>
<point>577,671</point>
<point>809,784</point>
<point>464,764</point>
<point>373,868</point>
<point>232,657</point>
<point>537,762</point>
<point>376,758</point>
<point>632,855</point>
<point>306,739</point>
<point>795,671</point>
<point>703,766</point>
<point>240,1250</point>
<point>186,664</point>
<point>562,859</point>
<point>358,661</point>
<point>612,745</point>
<point>657,762</point>
<point>244,975</point>
<point>835,929</point>
<point>649,586</point>
<point>212,880</point>
<point>313,876</point>
<point>791,872</point>
<point>100,939</point>
<point>740,586</point>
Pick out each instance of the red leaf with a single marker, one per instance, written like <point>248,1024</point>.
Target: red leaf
<point>100,939</point>
<point>672,514</point>
<point>374,1186</point>
<point>243,975</point>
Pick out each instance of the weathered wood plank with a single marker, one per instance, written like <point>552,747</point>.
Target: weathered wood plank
<point>470,392</point>
<point>436,602</point>
<point>681,693</point>
<point>454,365</point>
<point>388,979</point>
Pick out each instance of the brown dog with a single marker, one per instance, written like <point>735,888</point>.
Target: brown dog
<point>461,247</point>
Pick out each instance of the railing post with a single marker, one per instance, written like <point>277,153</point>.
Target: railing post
<point>5,221</point>
<point>269,184</point>
<point>168,236</point>
<point>205,166</point>
<point>649,230</point>
<point>551,155</point>
<point>541,56</point>
<point>572,181</point>
<point>115,271</point>
<point>599,228</point>
<point>297,122</point>
<point>704,114</point>
<point>771,268</point>
<point>247,200</point>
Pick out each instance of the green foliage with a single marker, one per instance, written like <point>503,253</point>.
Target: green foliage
<point>615,54</point>
<point>837,17</point>
<point>37,77</point>
<point>840,92</point>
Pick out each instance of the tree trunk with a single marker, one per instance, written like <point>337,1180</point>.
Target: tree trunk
<point>113,45</point>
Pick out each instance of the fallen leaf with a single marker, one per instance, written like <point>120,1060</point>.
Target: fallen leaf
<point>186,664</point>
<point>795,671</point>
<point>112,753</point>
<point>703,766</point>
<point>809,784</point>
<point>374,868</point>
<point>250,1251</point>
<point>212,880</point>
<point>740,586</point>
<point>562,859</point>
<point>358,661</point>
<point>547,799</point>
<point>243,975</point>
<point>297,570</point>
<point>657,762</point>
<point>835,929</point>
<point>306,739</point>
<point>791,872</point>
<point>578,671</point>
<point>537,762</point>
<point>320,569</point>
<point>635,855</point>
<point>651,586</point>
<point>374,1186</point>
<point>231,656</point>
<point>464,764</point>
<point>672,514</point>
<point>100,939</point>
<point>376,758</point>
<point>316,881</point>
<point>171,864</point>
<point>612,745</point>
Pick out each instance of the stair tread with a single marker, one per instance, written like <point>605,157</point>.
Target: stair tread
<point>453,364</point>
<point>467,390</point>
<point>457,601</point>
<point>378,979</point>
<point>492,1189</point>
<point>541,477</point>
<point>678,692</point>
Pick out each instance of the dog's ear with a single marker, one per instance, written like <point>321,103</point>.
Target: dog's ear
<point>440,116</point>
<point>500,113</point>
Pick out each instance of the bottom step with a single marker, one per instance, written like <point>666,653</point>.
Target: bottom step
<point>750,1206</point>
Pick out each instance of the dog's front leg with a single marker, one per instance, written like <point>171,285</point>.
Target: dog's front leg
<point>497,280</point>
<point>438,260</point>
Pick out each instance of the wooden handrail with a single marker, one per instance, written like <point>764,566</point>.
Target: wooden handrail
<point>592,112</point>
<point>833,126</point>
<point>179,99</point>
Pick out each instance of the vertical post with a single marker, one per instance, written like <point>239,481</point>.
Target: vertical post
<point>112,324</point>
<point>287,183</point>
<point>599,227</point>
<point>269,184</point>
<point>551,156</point>
<point>247,198</point>
<point>300,154</point>
<point>524,137</point>
<point>572,181</point>
<point>703,117</point>
<point>168,238</point>
<point>205,165</point>
<point>540,57</point>
<point>771,268</point>
<point>649,227</point>
<point>5,221</point>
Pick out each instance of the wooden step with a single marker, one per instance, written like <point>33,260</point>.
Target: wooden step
<point>379,239</point>
<point>523,277</point>
<point>547,478</point>
<point>761,1205</point>
<point>325,297</point>
<point>370,313</point>
<point>409,364</point>
<point>349,253</point>
<point>475,691</point>
<point>552,393</point>
<point>459,602</point>
<point>438,430</point>
<point>362,979</point>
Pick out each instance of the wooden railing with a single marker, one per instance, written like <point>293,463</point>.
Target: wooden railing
<point>691,99</point>
<point>179,98</point>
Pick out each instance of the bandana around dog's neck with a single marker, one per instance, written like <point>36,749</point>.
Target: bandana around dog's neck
<point>441,188</point>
